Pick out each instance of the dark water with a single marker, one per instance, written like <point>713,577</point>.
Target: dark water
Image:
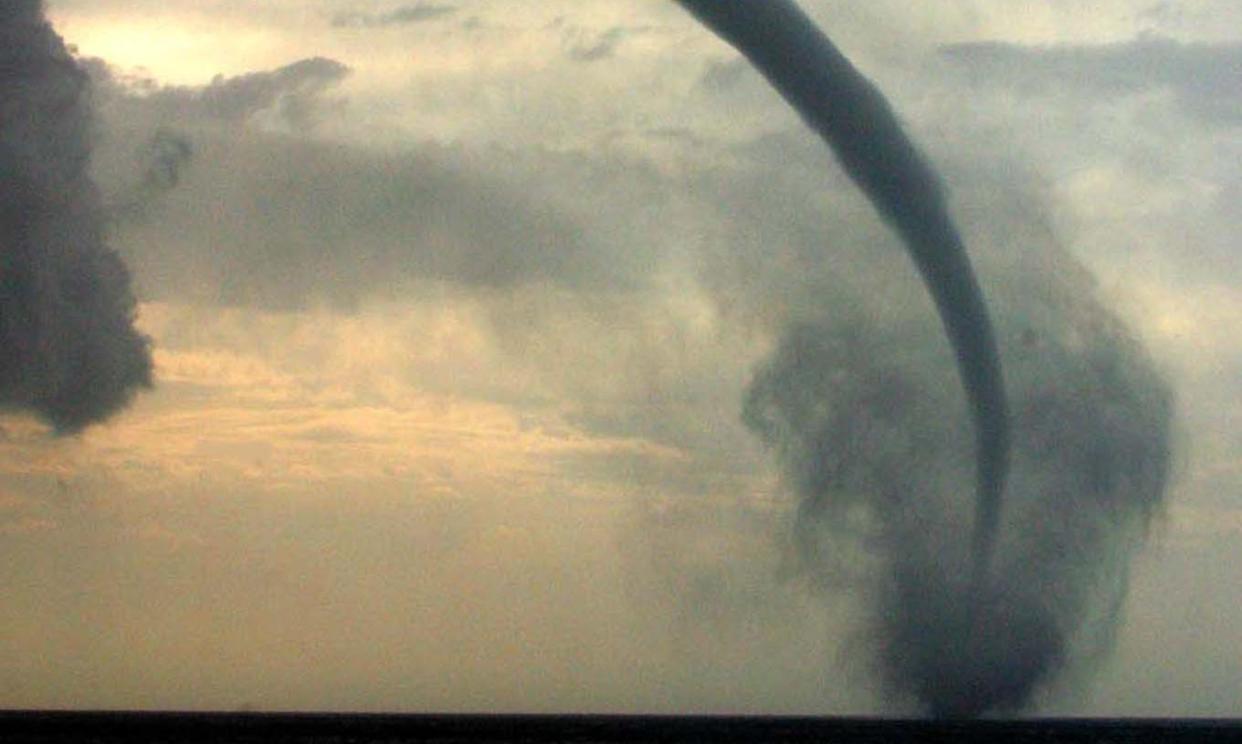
<point>24,727</point>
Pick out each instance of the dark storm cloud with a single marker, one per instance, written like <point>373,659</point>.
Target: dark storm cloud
<point>403,15</point>
<point>70,350</point>
<point>1206,78</point>
<point>309,222</point>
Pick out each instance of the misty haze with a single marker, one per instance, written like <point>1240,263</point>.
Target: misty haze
<point>473,356</point>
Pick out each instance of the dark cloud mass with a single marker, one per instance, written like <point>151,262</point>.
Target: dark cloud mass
<point>1206,78</point>
<point>71,353</point>
<point>397,17</point>
<point>310,223</point>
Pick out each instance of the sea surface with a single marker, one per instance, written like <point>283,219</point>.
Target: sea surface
<point>22,727</point>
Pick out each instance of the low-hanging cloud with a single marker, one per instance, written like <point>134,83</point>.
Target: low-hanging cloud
<point>311,223</point>
<point>71,353</point>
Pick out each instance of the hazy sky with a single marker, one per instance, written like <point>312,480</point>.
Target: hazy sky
<point>455,304</point>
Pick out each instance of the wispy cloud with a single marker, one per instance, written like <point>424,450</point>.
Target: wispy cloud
<point>401,16</point>
<point>599,47</point>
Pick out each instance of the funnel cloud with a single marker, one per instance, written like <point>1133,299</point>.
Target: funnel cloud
<point>861,419</point>
<point>71,353</point>
<point>853,117</point>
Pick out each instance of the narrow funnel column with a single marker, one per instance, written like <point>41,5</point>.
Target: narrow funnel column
<point>853,117</point>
